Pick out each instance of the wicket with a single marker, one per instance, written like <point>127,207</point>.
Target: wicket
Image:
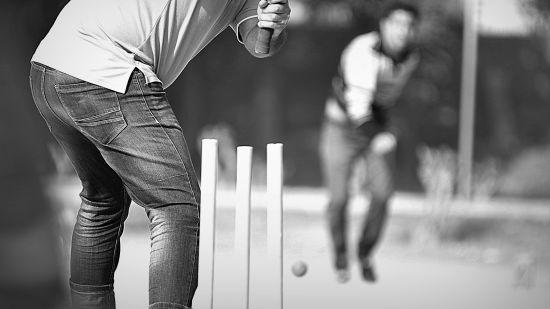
<point>209,174</point>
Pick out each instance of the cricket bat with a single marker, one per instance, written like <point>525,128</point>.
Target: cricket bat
<point>263,41</point>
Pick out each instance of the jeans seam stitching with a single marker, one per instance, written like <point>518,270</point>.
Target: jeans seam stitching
<point>43,92</point>
<point>104,113</point>
<point>33,97</point>
<point>168,303</point>
<point>188,180</point>
<point>110,285</point>
<point>171,141</point>
<point>124,210</point>
<point>193,265</point>
<point>121,119</point>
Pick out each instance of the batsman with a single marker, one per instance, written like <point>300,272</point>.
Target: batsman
<point>98,79</point>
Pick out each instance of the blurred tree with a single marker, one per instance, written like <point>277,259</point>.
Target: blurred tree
<point>540,10</point>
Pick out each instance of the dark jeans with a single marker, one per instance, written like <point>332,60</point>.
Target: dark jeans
<point>124,147</point>
<point>341,146</point>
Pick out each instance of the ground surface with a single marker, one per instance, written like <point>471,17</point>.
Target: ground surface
<point>476,264</point>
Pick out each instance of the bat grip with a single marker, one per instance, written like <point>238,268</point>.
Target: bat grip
<point>263,41</point>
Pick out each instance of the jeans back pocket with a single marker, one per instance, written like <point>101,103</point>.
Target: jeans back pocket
<point>94,109</point>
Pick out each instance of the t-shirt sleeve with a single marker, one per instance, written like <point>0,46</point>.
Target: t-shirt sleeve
<point>359,65</point>
<point>247,11</point>
<point>359,68</point>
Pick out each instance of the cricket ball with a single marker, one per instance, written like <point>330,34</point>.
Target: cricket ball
<point>299,269</point>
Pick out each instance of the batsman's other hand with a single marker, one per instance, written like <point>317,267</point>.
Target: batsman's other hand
<point>273,14</point>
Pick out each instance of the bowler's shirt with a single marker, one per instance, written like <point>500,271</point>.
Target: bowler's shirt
<point>365,74</point>
<point>103,41</point>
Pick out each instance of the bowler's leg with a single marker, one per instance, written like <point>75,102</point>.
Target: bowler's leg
<point>337,158</point>
<point>380,185</point>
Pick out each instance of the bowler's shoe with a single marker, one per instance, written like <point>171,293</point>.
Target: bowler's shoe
<point>367,270</point>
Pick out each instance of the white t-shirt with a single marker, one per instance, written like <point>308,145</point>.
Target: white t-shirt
<point>103,41</point>
<point>366,70</point>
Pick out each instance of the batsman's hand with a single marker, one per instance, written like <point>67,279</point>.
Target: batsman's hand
<point>273,14</point>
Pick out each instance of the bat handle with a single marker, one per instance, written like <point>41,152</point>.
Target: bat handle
<point>263,41</point>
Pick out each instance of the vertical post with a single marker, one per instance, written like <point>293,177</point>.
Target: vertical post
<point>209,177</point>
<point>275,220</point>
<point>242,226</point>
<point>467,99</point>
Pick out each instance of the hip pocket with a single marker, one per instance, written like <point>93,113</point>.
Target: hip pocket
<point>94,109</point>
